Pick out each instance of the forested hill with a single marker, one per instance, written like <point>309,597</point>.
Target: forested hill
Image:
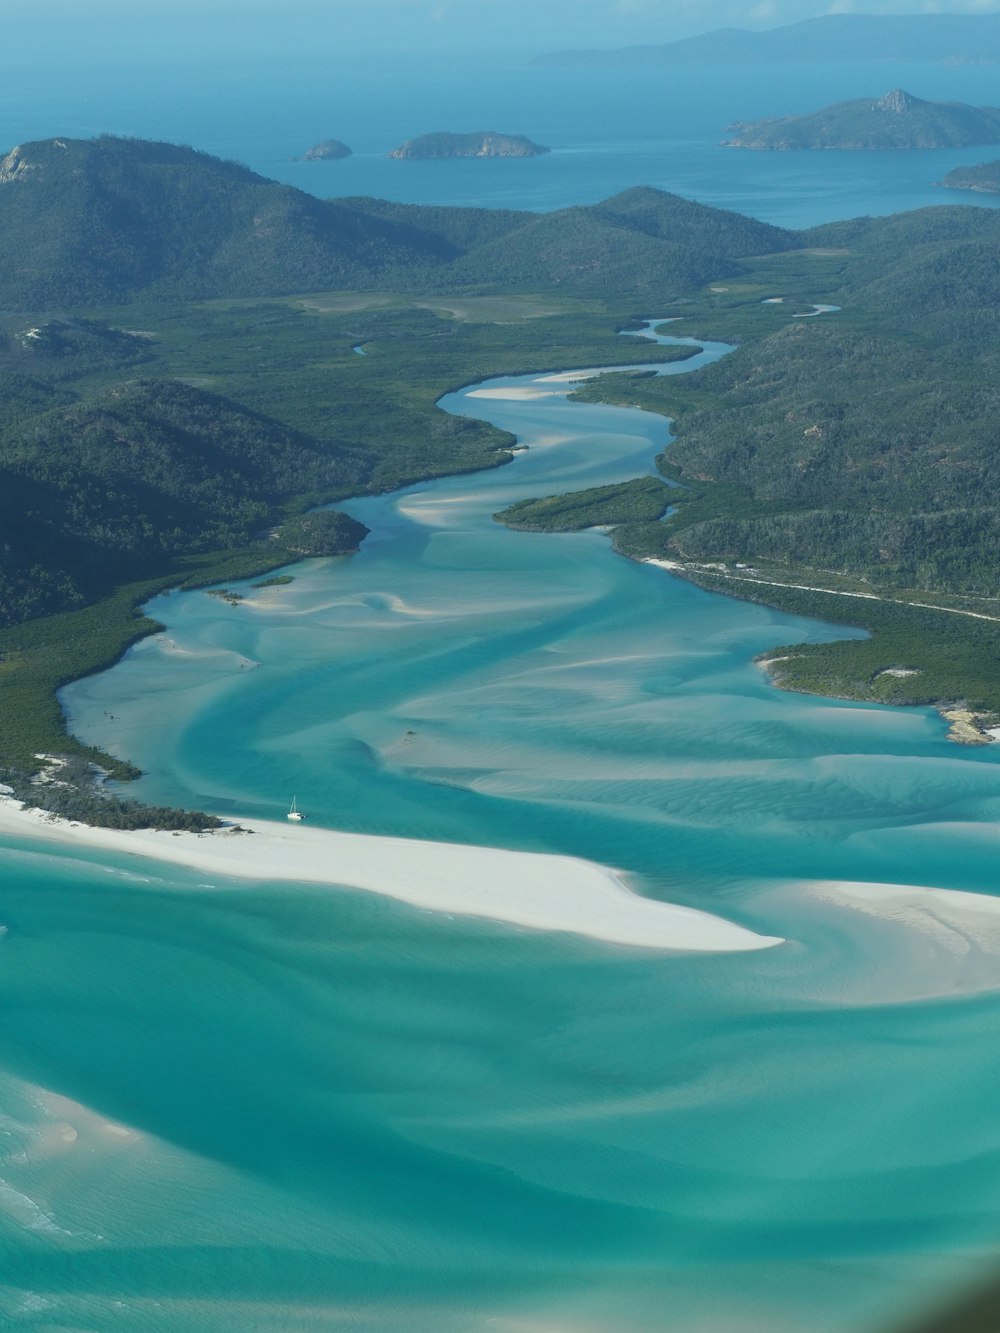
<point>135,477</point>
<point>984,178</point>
<point>90,222</point>
<point>897,120</point>
<point>641,241</point>
<point>86,222</point>
<point>865,441</point>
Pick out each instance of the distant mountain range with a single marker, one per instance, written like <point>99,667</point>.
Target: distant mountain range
<point>103,221</point>
<point>897,120</point>
<point>943,39</point>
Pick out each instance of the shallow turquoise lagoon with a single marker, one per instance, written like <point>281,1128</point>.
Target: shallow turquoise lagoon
<point>230,1107</point>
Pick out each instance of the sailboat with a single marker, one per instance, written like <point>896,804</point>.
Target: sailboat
<point>294,812</point>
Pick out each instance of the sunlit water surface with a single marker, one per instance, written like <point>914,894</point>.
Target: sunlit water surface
<point>226,1107</point>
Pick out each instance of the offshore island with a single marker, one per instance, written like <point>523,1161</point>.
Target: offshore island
<point>481,143</point>
<point>897,120</point>
<point>327,150</point>
<point>835,467</point>
<point>984,178</point>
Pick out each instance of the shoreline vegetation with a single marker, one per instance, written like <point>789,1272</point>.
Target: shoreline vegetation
<point>834,465</point>
<point>806,668</point>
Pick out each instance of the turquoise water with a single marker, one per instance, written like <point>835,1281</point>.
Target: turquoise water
<point>276,1107</point>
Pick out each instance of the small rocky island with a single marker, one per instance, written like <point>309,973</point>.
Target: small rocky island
<point>984,178</point>
<point>483,143</point>
<point>327,150</point>
<point>897,120</point>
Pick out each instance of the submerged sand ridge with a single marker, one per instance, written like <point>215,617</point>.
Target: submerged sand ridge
<point>529,889</point>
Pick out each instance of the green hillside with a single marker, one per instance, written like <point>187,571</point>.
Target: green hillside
<point>136,477</point>
<point>88,222</point>
<point>983,178</point>
<point>897,120</point>
<point>104,221</point>
<point>644,242</point>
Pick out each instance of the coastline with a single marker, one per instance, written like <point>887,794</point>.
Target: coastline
<point>966,726</point>
<point>528,889</point>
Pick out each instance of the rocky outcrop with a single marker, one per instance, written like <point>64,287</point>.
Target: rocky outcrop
<point>327,150</point>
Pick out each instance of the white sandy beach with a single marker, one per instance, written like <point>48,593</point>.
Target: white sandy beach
<point>552,893</point>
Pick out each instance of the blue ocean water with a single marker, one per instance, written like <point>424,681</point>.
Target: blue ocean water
<point>274,1107</point>
<point>608,129</point>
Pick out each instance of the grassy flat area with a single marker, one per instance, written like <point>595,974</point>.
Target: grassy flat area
<point>478,309</point>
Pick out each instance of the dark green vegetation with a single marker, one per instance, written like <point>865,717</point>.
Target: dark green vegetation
<point>915,655</point>
<point>84,222</point>
<point>68,790</point>
<point>94,222</point>
<point>897,120</point>
<point>643,500</point>
<point>481,143</point>
<point>134,475</point>
<point>324,532</point>
<point>275,581</point>
<point>948,39</point>
<point>327,150</point>
<point>985,178</point>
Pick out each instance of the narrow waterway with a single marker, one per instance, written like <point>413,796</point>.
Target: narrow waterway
<point>230,1107</point>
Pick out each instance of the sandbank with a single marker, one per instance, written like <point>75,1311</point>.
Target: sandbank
<point>541,892</point>
<point>510,395</point>
<point>954,917</point>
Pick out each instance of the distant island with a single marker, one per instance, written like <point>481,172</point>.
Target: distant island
<point>897,120</point>
<point>941,39</point>
<point>482,143</point>
<point>984,178</point>
<point>327,150</point>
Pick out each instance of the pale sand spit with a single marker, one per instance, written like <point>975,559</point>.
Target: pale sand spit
<point>511,395</point>
<point>955,918</point>
<point>541,892</point>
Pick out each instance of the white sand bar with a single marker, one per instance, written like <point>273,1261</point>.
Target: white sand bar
<point>511,394</point>
<point>521,888</point>
<point>954,916</point>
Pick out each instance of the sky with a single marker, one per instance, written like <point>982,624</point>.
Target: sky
<point>100,31</point>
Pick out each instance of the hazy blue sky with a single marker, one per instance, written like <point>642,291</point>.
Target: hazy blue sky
<point>102,30</point>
